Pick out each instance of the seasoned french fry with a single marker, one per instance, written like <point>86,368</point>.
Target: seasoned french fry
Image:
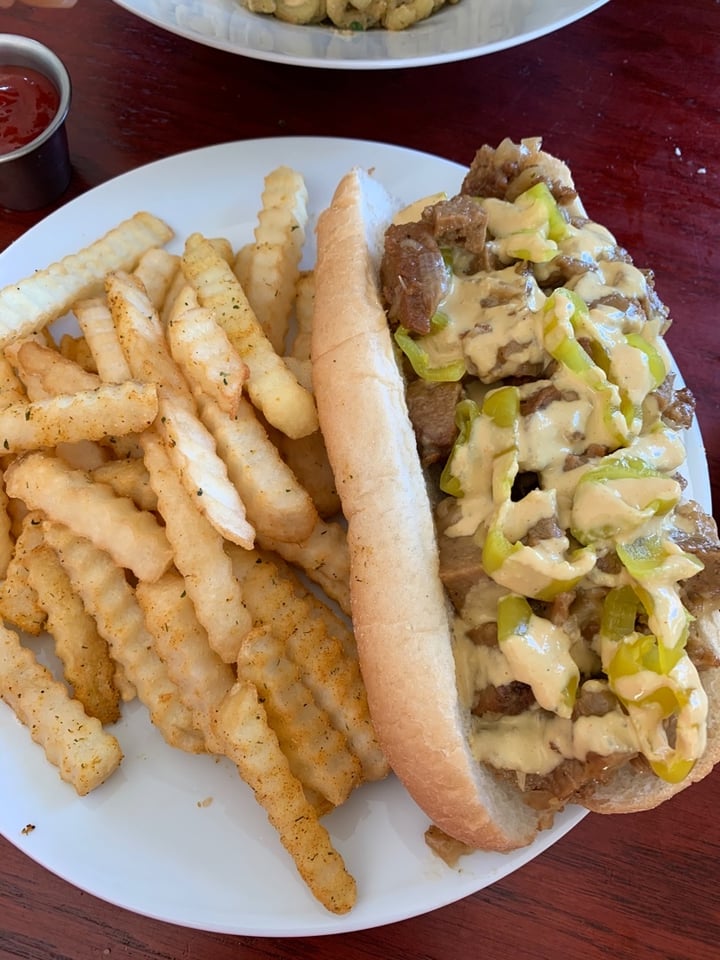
<point>77,744</point>
<point>286,405</point>
<point>110,410</point>
<point>18,599</point>
<point>47,294</point>
<point>183,299</point>
<point>319,644</point>
<point>156,271</point>
<point>308,460</point>
<point>179,297</point>
<point>200,347</point>
<point>101,336</point>
<point>7,545</point>
<point>199,556</point>
<point>77,349</point>
<point>96,322</point>
<point>46,373</point>
<point>335,682</point>
<point>276,504</point>
<point>275,263</point>
<point>337,625</point>
<point>126,688</point>
<point>142,337</point>
<point>324,558</point>
<point>87,664</point>
<point>192,448</point>
<point>241,264</point>
<point>128,478</point>
<point>318,753</point>
<point>133,538</point>
<point>201,677</point>
<point>83,454</point>
<point>274,595</point>
<point>253,747</point>
<point>304,304</point>
<point>193,452</point>
<point>223,248</point>
<point>110,599</point>
<point>11,389</point>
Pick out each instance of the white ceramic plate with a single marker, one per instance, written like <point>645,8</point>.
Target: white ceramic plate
<point>179,837</point>
<point>469,29</point>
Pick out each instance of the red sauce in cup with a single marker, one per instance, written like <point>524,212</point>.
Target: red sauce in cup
<point>28,103</point>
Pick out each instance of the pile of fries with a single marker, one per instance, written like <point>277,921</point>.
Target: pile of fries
<point>168,517</point>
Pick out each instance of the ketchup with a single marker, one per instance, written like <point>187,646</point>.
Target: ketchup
<point>28,103</point>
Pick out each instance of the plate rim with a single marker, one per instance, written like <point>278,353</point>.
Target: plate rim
<point>584,8</point>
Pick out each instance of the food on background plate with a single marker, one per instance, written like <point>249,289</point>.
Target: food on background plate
<point>153,527</point>
<point>535,602</point>
<point>350,15</point>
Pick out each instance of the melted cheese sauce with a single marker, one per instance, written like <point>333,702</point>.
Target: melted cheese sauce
<point>536,742</point>
<point>597,410</point>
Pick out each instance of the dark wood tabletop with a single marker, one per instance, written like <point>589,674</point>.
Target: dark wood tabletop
<point>630,97</point>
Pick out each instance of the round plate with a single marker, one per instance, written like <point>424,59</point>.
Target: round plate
<point>180,837</point>
<point>469,29</point>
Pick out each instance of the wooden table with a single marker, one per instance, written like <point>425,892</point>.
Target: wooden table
<point>630,96</point>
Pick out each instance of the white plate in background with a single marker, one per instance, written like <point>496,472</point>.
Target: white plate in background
<point>470,28</point>
<point>179,837</point>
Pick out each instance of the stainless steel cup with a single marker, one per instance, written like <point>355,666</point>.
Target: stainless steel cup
<point>37,173</point>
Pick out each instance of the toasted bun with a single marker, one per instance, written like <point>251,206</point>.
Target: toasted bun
<point>400,613</point>
<point>402,619</point>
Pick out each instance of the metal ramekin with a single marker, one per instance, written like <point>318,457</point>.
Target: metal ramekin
<point>37,173</point>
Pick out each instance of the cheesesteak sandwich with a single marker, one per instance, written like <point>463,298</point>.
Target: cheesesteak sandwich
<point>535,600</point>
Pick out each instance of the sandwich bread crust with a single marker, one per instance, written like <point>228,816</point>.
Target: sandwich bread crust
<point>400,613</point>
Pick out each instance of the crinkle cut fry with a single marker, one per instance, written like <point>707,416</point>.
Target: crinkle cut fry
<point>277,505</point>
<point>6,540</point>
<point>128,478</point>
<point>335,682</point>
<point>192,450</point>
<point>142,338</point>
<point>85,754</point>
<point>133,538</point>
<point>275,263</point>
<point>308,460</point>
<point>11,388</point>
<point>111,600</point>
<point>251,744</point>
<point>46,373</point>
<point>96,323</point>
<point>318,754</point>
<point>199,555</point>
<point>76,348</point>
<point>156,270</point>
<point>319,644</point>
<point>87,664</point>
<point>323,556</point>
<point>271,386</point>
<point>18,599</point>
<point>191,445</point>
<point>44,296</point>
<point>109,410</point>
<point>304,301</point>
<point>211,364</point>
<point>181,641</point>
